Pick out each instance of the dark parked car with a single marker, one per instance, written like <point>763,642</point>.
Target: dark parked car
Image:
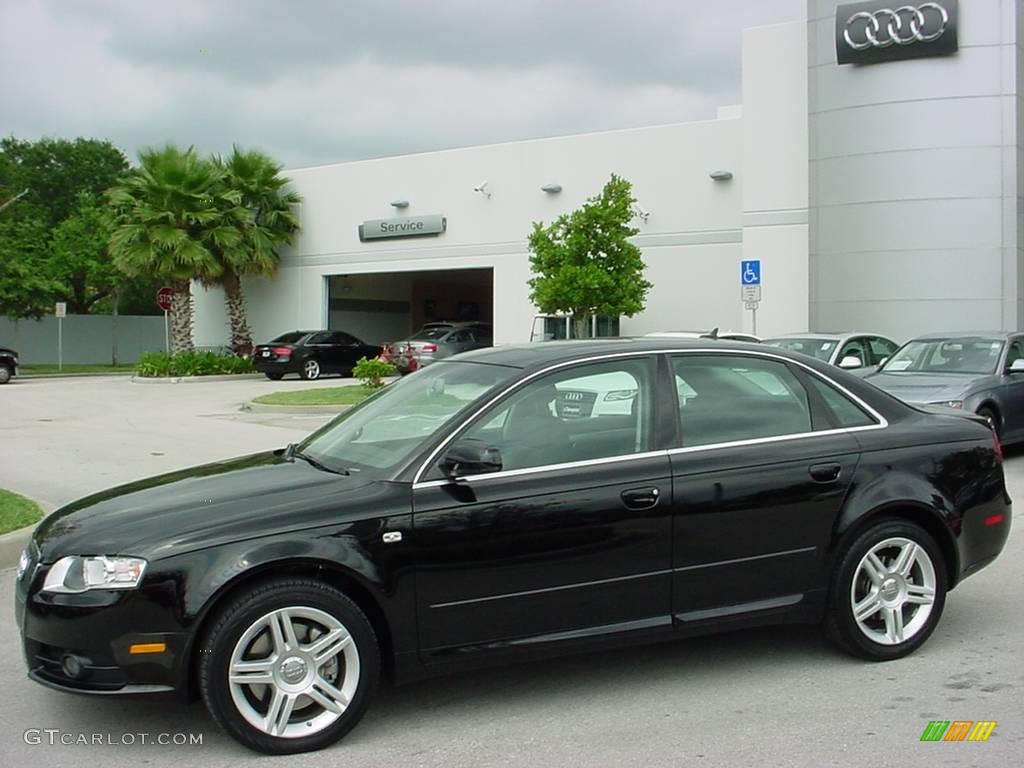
<point>978,372</point>
<point>8,364</point>
<point>456,519</point>
<point>438,340</point>
<point>311,354</point>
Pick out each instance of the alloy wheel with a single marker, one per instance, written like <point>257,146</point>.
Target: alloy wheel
<point>893,591</point>
<point>293,672</point>
<point>311,369</point>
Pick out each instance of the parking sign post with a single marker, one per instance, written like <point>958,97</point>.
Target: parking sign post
<point>59,311</point>
<point>750,288</point>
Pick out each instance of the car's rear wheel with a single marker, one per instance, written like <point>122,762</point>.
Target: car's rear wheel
<point>289,667</point>
<point>888,592</point>
<point>274,376</point>
<point>6,374</point>
<point>311,370</point>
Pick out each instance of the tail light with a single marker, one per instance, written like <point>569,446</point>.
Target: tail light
<point>282,351</point>
<point>430,347</point>
<point>997,447</point>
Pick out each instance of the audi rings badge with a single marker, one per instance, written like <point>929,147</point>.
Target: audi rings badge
<point>879,31</point>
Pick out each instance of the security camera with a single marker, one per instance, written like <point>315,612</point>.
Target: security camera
<point>482,188</point>
<point>642,213</point>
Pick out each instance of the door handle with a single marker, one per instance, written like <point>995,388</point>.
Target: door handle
<point>825,473</point>
<point>641,498</point>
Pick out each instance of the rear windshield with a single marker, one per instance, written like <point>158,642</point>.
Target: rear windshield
<point>289,338</point>
<point>431,334</point>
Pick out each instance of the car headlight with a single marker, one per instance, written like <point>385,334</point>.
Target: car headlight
<point>22,565</point>
<point>621,394</point>
<point>80,574</point>
<point>951,403</point>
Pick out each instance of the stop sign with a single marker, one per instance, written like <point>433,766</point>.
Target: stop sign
<point>163,298</point>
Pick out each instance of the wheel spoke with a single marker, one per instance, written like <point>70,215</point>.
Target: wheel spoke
<point>325,648</point>
<point>279,712</point>
<point>251,672</point>
<point>893,624</point>
<point>875,569</point>
<point>282,632</point>
<point>868,606</point>
<point>905,559</point>
<point>920,594</point>
<point>327,696</point>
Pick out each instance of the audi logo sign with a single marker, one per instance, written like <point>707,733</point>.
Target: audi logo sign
<point>871,33</point>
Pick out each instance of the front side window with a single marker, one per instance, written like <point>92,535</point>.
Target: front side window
<point>387,429</point>
<point>956,355</point>
<point>817,348</point>
<point>593,411</point>
<point>726,398</point>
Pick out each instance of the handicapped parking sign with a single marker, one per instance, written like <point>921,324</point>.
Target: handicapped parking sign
<point>750,272</point>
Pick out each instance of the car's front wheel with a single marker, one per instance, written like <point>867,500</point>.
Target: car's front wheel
<point>5,373</point>
<point>888,592</point>
<point>289,667</point>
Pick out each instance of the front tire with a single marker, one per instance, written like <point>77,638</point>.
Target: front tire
<point>311,370</point>
<point>6,373</point>
<point>888,592</point>
<point>288,667</point>
<point>989,414</point>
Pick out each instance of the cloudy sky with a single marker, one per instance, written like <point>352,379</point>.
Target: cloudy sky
<point>320,81</point>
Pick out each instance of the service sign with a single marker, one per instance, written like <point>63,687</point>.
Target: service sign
<point>875,32</point>
<point>403,226</point>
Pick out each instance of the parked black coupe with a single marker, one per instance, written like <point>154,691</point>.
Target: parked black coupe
<point>8,364</point>
<point>475,513</point>
<point>311,354</point>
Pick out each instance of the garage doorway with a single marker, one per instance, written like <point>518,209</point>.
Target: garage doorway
<point>382,307</point>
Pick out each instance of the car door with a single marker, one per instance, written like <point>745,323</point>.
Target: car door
<point>319,347</point>
<point>1011,394</point>
<point>347,351</point>
<point>571,538</point>
<point>758,482</point>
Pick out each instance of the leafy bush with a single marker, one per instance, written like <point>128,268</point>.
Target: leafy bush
<point>153,364</point>
<point>372,372</point>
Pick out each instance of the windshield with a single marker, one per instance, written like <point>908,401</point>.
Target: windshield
<point>428,334</point>
<point>964,355</point>
<point>819,348</point>
<point>388,428</point>
<point>288,338</point>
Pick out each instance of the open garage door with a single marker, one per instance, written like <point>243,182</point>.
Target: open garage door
<point>381,307</point>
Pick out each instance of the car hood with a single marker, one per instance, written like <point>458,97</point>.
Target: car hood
<point>194,508</point>
<point>924,387</point>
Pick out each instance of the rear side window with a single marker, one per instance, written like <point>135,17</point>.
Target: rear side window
<point>725,398</point>
<point>846,412</point>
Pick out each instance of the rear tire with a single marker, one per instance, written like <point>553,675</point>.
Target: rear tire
<point>310,370</point>
<point>888,592</point>
<point>6,373</point>
<point>290,666</point>
<point>274,376</point>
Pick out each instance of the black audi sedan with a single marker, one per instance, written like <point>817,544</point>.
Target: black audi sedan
<point>311,354</point>
<point>477,513</point>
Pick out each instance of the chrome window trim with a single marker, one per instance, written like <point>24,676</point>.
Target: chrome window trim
<point>882,422</point>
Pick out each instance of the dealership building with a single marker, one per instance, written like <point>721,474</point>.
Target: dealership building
<point>874,169</point>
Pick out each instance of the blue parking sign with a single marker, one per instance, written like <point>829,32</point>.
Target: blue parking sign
<point>750,272</point>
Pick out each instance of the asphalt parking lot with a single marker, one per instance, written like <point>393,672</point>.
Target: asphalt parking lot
<point>773,697</point>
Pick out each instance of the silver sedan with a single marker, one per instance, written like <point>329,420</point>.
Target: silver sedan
<point>859,353</point>
<point>979,372</point>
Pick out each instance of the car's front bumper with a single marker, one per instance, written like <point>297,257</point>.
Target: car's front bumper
<point>98,629</point>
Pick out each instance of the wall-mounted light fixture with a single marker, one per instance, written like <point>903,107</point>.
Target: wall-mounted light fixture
<point>400,203</point>
<point>552,188</point>
<point>641,213</point>
<point>482,189</point>
<point>721,175</point>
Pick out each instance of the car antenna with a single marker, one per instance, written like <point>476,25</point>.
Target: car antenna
<point>713,334</point>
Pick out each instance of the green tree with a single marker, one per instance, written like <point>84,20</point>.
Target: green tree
<point>80,261</point>
<point>169,217</point>
<point>584,263</point>
<point>271,224</point>
<point>26,290</point>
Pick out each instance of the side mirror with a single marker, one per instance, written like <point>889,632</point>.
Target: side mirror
<point>471,457</point>
<point>1017,366</point>
<point>850,361</point>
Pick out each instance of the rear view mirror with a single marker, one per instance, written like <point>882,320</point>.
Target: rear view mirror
<point>850,361</point>
<point>470,457</point>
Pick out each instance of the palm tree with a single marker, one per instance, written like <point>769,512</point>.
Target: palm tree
<point>255,180</point>
<point>169,217</point>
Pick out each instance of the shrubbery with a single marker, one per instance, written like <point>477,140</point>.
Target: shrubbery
<point>153,364</point>
<point>372,372</point>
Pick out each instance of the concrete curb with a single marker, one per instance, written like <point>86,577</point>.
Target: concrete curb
<point>265,408</point>
<point>12,544</point>
<point>191,379</point>
<point>73,375</point>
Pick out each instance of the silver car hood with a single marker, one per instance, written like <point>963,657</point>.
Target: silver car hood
<point>925,387</point>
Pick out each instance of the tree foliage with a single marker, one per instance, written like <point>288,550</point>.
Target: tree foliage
<point>583,262</point>
<point>26,290</point>
<point>79,259</point>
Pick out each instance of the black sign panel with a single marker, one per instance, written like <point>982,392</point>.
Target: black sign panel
<point>874,32</point>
